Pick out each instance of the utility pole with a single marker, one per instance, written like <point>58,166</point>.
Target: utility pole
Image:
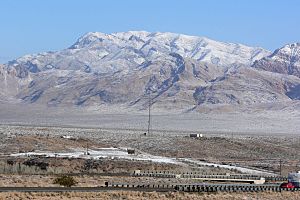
<point>87,148</point>
<point>55,161</point>
<point>280,166</point>
<point>139,140</point>
<point>149,114</point>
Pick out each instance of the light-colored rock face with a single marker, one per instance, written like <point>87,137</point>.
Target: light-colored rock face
<point>8,84</point>
<point>285,60</point>
<point>181,72</point>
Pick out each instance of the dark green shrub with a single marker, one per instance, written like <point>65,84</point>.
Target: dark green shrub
<point>66,181</point>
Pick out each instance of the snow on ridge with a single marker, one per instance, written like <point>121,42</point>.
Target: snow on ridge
<point>161,35</point>
<point>289,54</point>
<point>108,53</point>
<point>200,48</point>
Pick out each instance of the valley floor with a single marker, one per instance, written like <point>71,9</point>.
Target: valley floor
<point>268,143</point>
<point>247,122</point>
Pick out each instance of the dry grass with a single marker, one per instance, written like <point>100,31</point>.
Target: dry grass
<point>251,150</point>
<point>124,195</point>
<point>46,142</point>
<point>85,181</point>
<point>211,148</point>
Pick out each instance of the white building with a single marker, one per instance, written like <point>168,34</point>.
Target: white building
<point>196,135</point>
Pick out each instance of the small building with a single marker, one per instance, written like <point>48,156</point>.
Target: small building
<point>130,151</point>
<point>68,137</point>
<point>196,135</point>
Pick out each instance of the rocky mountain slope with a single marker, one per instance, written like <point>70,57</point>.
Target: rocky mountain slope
<point>285,60</point>
<point>103,53</point>
<point>180,72</point>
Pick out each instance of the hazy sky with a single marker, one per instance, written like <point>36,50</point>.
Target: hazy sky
<point>32,26</point>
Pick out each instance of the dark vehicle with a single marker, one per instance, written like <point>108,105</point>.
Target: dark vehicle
<point>287,185</point>
<point>293,181</point>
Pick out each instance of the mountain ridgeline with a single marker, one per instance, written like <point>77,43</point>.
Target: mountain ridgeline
<point>182,73</point>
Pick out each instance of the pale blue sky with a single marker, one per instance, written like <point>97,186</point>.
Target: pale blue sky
<point>32,26</point>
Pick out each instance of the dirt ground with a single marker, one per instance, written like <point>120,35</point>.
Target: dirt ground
<point>255,150</point>
<point>85,180</point>
<point>260,151</point>
<point>124,195</point>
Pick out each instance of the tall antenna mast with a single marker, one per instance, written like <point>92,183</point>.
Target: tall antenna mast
<point>149,114</point>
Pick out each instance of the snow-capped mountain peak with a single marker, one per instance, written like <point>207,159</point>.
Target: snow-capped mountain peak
<point>119,68</point>
<point>289,52</point>
<point>106,53</point>
<point>285,60</point>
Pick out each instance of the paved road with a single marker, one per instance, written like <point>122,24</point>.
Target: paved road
<point>186,188</point>
<point>79,189</point>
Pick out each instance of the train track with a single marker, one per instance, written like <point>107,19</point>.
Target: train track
<point>207,187</point>
<point>158,188</point>
<point>191,175</point>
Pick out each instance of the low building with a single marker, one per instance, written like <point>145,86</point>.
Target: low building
<point>196,135</point>
<point>130,151</point>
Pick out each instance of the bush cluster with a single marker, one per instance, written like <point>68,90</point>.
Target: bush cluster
<point>66,181</point>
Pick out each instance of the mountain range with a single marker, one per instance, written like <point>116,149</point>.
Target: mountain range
<point>178,72</point>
